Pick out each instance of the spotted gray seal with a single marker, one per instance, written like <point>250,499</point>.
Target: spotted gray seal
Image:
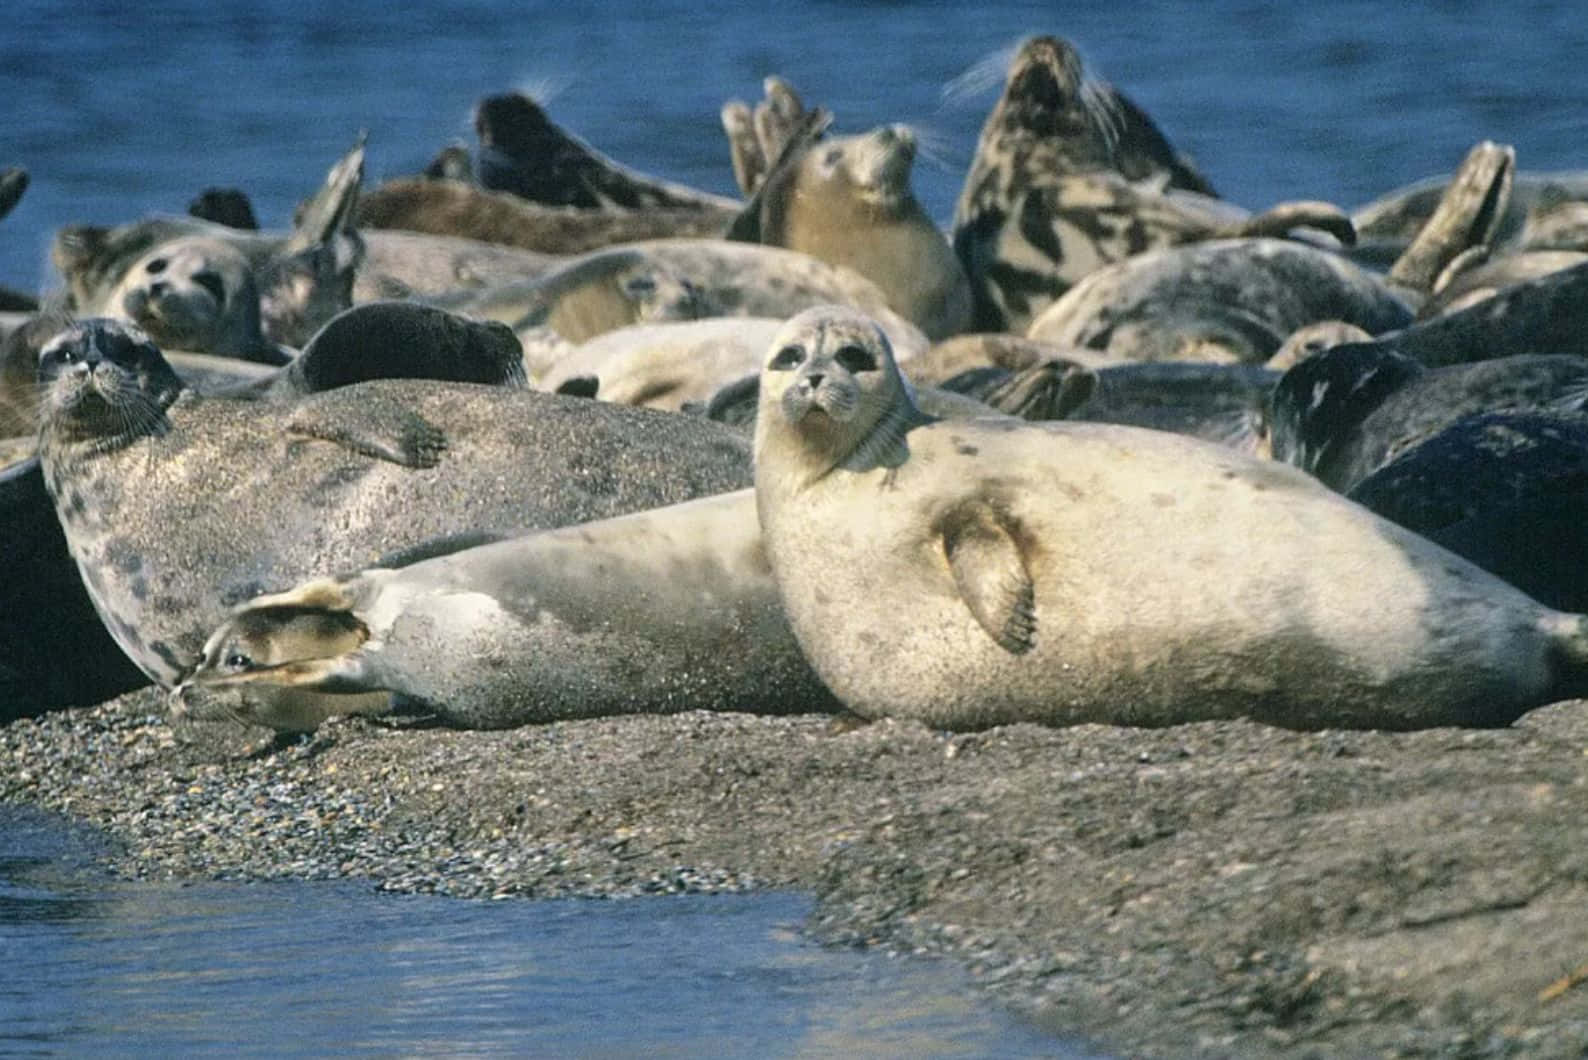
<point>977,573</point>
<point>658,611</point>
<point>176,507</point>
<point>1227,300</point>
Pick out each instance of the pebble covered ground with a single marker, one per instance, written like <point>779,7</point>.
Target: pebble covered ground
<point>1213,889</point>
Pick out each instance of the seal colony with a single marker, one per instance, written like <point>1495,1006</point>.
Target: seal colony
<point>376,533</point>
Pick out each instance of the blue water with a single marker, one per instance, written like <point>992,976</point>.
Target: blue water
<point>93,967</point>
<point>120,109</point>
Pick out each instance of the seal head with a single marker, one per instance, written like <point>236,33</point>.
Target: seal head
<point>105,385</point>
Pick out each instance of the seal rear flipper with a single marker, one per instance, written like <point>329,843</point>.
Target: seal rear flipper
<point>13,182</point>
<point>748,226</point>
<point>990,573</point>
<point>379,429</point>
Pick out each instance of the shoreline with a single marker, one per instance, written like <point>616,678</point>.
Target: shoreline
<point>1210,889</point>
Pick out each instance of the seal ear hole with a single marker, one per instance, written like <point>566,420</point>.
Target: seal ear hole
<point>788,358</point>
<point>856,359</point>
<point>155,267</point>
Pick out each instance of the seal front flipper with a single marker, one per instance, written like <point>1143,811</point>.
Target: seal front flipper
<point>405,340</point>
<point>375,428</point>
<point>990,573</point>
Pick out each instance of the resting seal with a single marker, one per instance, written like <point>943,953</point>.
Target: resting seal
<point>177,507</point>
<point>847,201</point>
<point>987,572</point>
<point>660,611</point>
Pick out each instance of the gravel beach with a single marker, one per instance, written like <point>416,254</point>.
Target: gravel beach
<point>1214,889</point>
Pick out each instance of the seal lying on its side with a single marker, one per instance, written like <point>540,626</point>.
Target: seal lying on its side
<point>177,507</point>
<point>660,611</point>
<point>987,572</point>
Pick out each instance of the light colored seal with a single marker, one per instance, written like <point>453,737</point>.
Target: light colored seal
<point>986,572</point>
<point>848,201</point>
<point>656,612</point>
<point>1228,300</point>
<point>177,507</point>
<point>196,294</point>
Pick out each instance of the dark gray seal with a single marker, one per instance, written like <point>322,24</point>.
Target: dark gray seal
<point>177,507</point>
<point>1506,490</point>
<point>1344,413</point>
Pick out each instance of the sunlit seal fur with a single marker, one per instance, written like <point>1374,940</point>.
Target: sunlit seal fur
<point>847,200</point>
<point>977,573</point>
<point>1232,300</point>
<point>660,611</point>
<point>1348,411</point>
<point>177,507</point>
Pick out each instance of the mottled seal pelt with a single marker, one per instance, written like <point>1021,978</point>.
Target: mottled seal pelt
<point>659,611</point>
<point>977,573</point>
<point>1228,300</point>
<point>847,200</point>
<point>1344,413</point>
<point>177,507</point>
<point>1069,176</point>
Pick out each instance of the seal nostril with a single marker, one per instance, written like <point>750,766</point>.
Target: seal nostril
<point>814,380</point>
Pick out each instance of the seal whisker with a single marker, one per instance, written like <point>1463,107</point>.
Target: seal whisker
<point>981,77</point>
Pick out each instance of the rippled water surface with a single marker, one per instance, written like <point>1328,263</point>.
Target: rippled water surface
<point>121,109</point>
<point>96,967</point>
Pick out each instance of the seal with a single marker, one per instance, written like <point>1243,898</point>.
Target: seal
<point>1506,490</point>
<point>1227,300</point>
<point>196,294</point>
<point>456,208</point>
<point>848,201</point>
<point>13,182</point>
<point>176,507</point>
<point>524,152</point>
<point>986,572</point>
<point>673,279</point>
<point>1344,413</point>
<point>1069,176</point>
<point>655,612</point>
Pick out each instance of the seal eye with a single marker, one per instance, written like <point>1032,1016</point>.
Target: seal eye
<point>856,359</point>
<point>832,157</point>
<point>155,267</point>
<point>787,359</point>
<point>640,286</point>
<point>238,661</point>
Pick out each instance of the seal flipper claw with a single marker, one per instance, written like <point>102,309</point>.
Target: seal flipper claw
<point>990,573</point>
<point>382,431</point>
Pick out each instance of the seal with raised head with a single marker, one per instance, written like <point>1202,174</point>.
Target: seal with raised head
<point>985,572</point>
<point>1070,176</point>
<point>177,507</point>
<point>847,200</point>
<point>655,612</point>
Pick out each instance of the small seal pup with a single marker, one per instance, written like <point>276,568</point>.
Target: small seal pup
<point>847,200</point>
<point>987,572</point>
<point>655,612</point>
<point>177,507</point>
<point>1228,300</point>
